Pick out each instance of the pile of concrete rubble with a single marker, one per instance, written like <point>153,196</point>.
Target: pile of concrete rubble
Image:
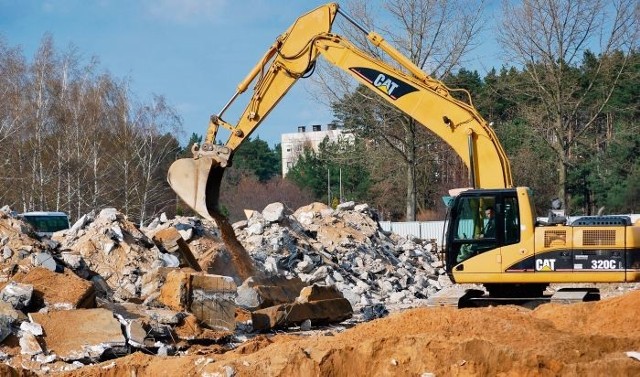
<point>173,286</point>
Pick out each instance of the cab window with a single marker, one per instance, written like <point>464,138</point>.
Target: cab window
<point>475,226</point>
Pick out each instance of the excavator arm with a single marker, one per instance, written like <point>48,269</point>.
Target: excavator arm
<point>197,180</point>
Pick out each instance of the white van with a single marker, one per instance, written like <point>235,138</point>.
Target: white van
<point>46,223</point>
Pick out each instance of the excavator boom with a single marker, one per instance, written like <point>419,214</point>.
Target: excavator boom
<point>293,55</point>
<point>197,180</point>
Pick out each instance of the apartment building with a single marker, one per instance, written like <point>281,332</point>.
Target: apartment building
<point>294,144</point>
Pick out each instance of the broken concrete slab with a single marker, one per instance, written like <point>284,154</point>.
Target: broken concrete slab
<point>261,292</point>
<point>170,240</point>
<point>136,333</point>
<point>213,310</point>
<point>29,344</point>
<point>17,294</point>
<point>94,332</point>
<point>317,292</point>
<point>175,291</point>
<point>59,291</point>
<point>144,326</point>
<point>319,312</point>
<point>213,300</point>
<point>209,297</point>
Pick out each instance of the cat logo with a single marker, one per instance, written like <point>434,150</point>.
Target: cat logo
<point>391,86</point>
<point>545,264</point>
<point>385,85</point>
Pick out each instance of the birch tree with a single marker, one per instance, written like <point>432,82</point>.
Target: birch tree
<point>154,151</point>
<point>12,112</point>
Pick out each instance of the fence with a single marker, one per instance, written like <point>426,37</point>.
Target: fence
<point>425,230</point>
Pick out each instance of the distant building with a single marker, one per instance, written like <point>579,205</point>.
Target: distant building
<point>294,144</point>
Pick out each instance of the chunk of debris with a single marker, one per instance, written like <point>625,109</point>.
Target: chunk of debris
<point>45,260</point>
<point>261,292</point>
<point>212,300</point>
<point>59,291</point>
<point>318,312</point>
<point>5,326</point>
<point>94,332</point>
<point>17,294</point>
<point>29,344</point>
<point>170,240</point>
<point>209,297</point>
<point>317,292</point>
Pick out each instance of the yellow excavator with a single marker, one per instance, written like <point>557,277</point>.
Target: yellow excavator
<point>493,237</point>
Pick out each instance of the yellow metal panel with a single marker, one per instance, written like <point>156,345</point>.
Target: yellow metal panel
<point>482,263</point>
<point>555,237</point>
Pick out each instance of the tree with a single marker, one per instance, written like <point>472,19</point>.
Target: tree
<point>435,36</point>
<point>339,170</point>
<point>309,173</point>
<point>13,114</point>
<point>548,39</point>
<point>155,150</point>
<point>255,155</point>
<point>74,140</point>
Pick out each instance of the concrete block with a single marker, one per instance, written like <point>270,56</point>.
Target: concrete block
<point>170,240</point>
<point>209,297</point>
<point>212,300</point>
<point>59,291</point>
<point>93,332</point>
<point>16,294</point>
<point>319,292</point>
<point>213,310</point>
<point>318,312</point>
<point>256,293</point>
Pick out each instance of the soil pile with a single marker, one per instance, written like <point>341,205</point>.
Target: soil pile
<point>587,339</point>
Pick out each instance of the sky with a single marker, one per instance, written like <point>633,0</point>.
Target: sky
<point>193,52</point>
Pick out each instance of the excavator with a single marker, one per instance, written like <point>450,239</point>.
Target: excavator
<point>521,257</point>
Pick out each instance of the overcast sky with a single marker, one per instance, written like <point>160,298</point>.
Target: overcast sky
<point>193,52</point>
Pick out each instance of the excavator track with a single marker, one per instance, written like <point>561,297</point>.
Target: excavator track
<point>475,298</point>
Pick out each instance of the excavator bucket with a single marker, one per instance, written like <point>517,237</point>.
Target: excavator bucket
<point>197,183</point>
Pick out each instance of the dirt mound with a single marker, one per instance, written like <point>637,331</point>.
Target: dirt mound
<point>588,339</point>
<point>615,316</point>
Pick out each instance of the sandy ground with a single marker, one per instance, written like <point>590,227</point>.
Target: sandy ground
<point>585,339</point>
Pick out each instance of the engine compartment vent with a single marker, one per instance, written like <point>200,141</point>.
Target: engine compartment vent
<point>603,221</point>
<point>605,237</point>
<point>555,238</point>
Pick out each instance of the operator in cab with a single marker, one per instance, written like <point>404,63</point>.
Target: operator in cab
<point>489,230</point>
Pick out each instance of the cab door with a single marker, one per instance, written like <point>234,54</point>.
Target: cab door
<point>469,249</point>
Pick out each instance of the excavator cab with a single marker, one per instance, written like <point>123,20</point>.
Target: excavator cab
<point>480,221</point>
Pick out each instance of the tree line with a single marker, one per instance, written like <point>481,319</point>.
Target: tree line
<point>565,108</point>
<point>75,139</point>
<point>564,105</point>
